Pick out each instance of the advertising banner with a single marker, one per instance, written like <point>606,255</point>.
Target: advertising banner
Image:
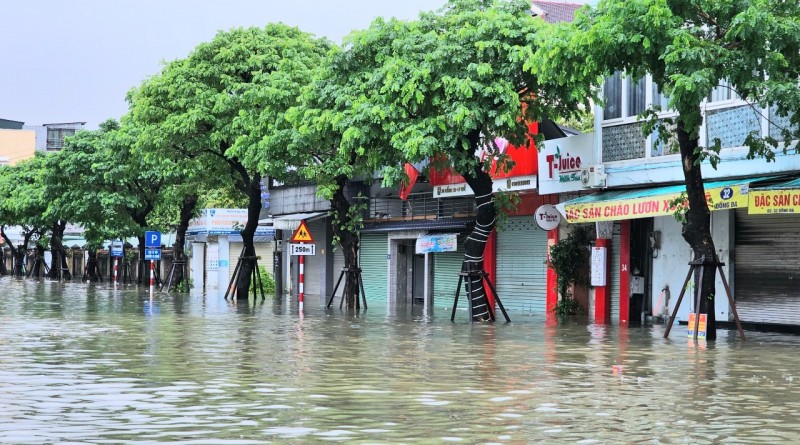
<point>718,198</point>
<point>768,202</point>
<point>446,242</point>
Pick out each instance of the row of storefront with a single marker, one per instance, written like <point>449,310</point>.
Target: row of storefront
<point>643,264</point>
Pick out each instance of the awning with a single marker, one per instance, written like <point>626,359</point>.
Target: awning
<point>647,203</point>
<point>445,224</point>
<point>783,197</point>
<point>292,221</point>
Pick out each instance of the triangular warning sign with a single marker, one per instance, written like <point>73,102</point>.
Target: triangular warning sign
<point>302,234</point>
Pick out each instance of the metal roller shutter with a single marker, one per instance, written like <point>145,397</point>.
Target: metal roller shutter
<point>264,250</point>
<point>766,274</point>
<point>446,267</point>
<point>614,259</point>
<point>374,268</point>
<point>521,268</point>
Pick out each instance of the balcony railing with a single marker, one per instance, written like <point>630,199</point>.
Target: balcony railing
<point>419,206</point>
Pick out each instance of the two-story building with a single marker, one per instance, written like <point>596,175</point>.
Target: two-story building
<point>634,180</point>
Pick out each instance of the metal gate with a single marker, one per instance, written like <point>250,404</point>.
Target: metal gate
<point>766,274</point>
<point>521,265</point>
<point>374,265</point>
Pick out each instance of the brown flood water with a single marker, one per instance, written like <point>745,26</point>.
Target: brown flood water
<point>88,364</point>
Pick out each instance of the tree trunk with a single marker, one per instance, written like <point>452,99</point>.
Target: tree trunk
<point>187,211</point>
<point>57,250</point>
<point>3,269</point>
<point>475,245</point>
<point>697,227</point>
<point>249,259</point>
<point>348,242</point>
<point>142,271</point>
<point>17,253</point>
<point>92,271</point>
<point>37,269</point>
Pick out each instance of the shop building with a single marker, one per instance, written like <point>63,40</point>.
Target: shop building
<point>755,224</point>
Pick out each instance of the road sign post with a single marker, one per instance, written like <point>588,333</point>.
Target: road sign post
<point>301,235</point>
<point>152,252</point>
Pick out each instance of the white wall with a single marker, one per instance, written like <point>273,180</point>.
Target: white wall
<point>672,264</point>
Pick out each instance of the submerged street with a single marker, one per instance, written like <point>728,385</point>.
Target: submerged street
<point>92,364</point>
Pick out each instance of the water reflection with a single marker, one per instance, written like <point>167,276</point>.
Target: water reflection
<point>93,364</point>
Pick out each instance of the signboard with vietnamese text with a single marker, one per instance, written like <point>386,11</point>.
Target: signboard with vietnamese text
<point>446,242</point>
<point>560,163</point>
<point>223,222</point>
<point>770,202</point>
<point>719,198</point>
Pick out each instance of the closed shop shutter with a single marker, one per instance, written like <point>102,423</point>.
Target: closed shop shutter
<point>374,268</point>
<point>446,267</point>
<point>614,272</point>
<point>521,268</point>
<point>766,274</point>
<point>264,250</point>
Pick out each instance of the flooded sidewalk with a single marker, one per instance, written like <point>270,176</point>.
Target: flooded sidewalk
<point>92,364</point>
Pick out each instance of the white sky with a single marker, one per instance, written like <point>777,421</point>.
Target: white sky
<point>74,60</point>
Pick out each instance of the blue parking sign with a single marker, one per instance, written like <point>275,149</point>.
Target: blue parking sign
<point>152,239</point>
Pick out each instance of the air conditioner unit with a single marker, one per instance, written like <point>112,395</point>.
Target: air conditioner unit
<point>593,176</point>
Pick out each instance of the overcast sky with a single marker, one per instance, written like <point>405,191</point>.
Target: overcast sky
<point>74,60</point>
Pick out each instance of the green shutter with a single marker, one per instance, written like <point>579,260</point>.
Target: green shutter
<point>446,267</point>
<point>521,268</point>
<point>374,267</point>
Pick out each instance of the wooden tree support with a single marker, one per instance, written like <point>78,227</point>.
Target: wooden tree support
<point>91,262</point>
<point>41,263</point>
<point>469,277</point>
<point>695,265</point>
<point>353,273</point>
<point>171,275</point>
<point>233,290</point>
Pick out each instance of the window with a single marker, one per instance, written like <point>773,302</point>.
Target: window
<point>55,137</point>
<point>636,97</point>
<point>723,91</point>
<point>659,99</point>
<point>623,97</point>
<point>613,97</point>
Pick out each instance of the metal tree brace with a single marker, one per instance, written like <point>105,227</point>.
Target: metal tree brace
<point>353,273</point>
<point>232,289</point>
<point>476,275</point>
<point>696,265</point>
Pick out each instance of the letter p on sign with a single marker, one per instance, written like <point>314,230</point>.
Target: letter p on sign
<point>152,239</point>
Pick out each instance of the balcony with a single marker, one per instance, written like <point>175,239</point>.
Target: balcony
<point>419,206</point>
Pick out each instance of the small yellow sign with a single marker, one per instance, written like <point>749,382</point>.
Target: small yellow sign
<point>302,234</point>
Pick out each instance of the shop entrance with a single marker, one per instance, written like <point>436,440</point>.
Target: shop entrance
<point>644,247</point>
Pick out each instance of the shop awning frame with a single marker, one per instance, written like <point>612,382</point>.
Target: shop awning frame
<point>291,221</point>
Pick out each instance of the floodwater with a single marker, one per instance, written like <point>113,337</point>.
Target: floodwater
<point>88,364</point>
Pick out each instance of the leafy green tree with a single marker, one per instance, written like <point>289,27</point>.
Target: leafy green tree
<point>114,189</point>
<point>23,205</point>
<point>441,87</point>
<point>689,47</point>
<point>223,103</point>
